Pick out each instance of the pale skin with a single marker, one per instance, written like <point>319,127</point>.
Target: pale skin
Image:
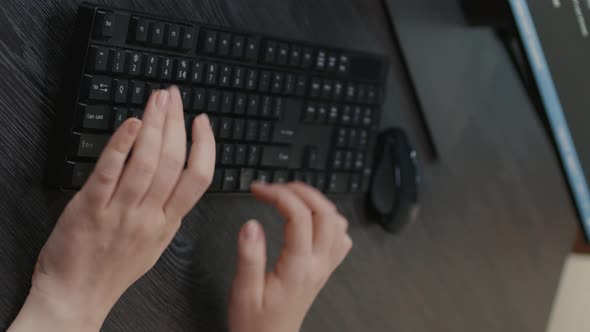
<point>118,225</point>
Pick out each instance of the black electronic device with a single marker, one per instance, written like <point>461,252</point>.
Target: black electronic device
<point>281,109</point>
<point>393,195</point>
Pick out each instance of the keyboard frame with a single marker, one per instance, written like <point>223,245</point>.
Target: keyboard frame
<point>76,68</point>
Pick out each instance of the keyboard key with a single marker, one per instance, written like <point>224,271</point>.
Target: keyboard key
<point>348,160</point>
<point>355,183</point>
<point>278,108</point>
<point>120,116</point>
<point>137,92</point>
<point>301,86</point>
<point>264,83</point>
<point>283,134</point>
<point>307,58</point>
<point>224,43</point>
<point>225,128</point>
<point>230,180</point>
<point>276,157</point>
<point>253,155</point>
<point>363,139</point>
<point>78,172</point>
<point>333,114</point>
<point>151,66</point>
<point>251,130</point>
<point>240,104</point>
<point>212,74</point>
<point>289,86</point>
<point>225,76</point>
<point>240,152</point>
<point>135,64</point>
<point>264,132</point>
<point>361,94</point>
<point>327,89</point>
<point>283,54</point>
<point>338,183</point>
<point>157,34</point>
<point>372,95</point>
<point>227,102</point>
<point>181,72</point>
<point>359,161</point>
<point>166,68</point>
<point>246,178</point>
<point>214,122</point>
<point>309,178</point>
<point>95,116</point>
<point>342,138</point>
<point>252,49</point>
<point>217,181</point>
<point>266,106</point>
<point>99,58</point>
<point>136,113</point>
<point>350,92</point>
<point>140,29</point>
<point>295,59</point>
<point>238,46</point>
<point>343,64</point>
<point>227,154</point>
<point>88,145</point>
<point>186,95</point>
<point>188,38</point>
<point>320,63</point>
<point>309,114</point>
<point>210,42</point>
<point>298,176</point>
<point>338,87</point>
<point>338,160</point>
<point>357,115</point>
<point>239,126</point>
<point>352,138</point>
<point>238,81</point>
<point>332,62</point>
<point>320,181</point>
<point>367,117</point>
<point>345,117</point>
<point>251,79</point>
<point>270,50</point>
<point>253,105</point>
<point>119,61</point>
<point>213,100</point>
<point>280,177</point>
<point>197,74</point>
<point>311,158</point>
<point>199,99</point>
<point>99,87</point>
<point>173,36</point>
<point>263,176</point>
<point>104,25</point>
<point>121,91</point>
<point>322,113</point>
<point>315,88</point>
<point>277,82</point>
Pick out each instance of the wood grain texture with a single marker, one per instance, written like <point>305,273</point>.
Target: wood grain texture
<point>485,255</point>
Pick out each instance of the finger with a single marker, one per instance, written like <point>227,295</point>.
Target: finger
<point>340,250</point>
<point>324,219</point>
<point>173,153</point>
<point>298,226</point>
<point>103,181</point>
<point>140,169</point>
<point>197,177</point>
<point>248,285</point>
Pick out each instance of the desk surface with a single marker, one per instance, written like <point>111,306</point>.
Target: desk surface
<point>485,255</point>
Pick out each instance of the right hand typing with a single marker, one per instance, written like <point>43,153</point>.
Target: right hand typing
<point>316,242</point>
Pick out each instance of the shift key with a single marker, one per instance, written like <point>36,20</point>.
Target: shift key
<point>88,145</point>
<point>276,157</point>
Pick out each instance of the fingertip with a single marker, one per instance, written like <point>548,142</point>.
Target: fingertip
<point>133,126</point>
<point>251,231</point>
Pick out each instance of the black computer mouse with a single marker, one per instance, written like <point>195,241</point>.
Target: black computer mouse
<point>392,199</point>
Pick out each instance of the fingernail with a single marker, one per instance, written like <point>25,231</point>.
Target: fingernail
<point>162,98</point>
<point>204,117</point>
<point>252,230</point>
<point>134,127</point>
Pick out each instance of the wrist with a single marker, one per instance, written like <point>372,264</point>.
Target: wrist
<point>44,313</point>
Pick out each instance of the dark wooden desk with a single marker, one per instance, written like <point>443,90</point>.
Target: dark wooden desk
<point>486,254</point>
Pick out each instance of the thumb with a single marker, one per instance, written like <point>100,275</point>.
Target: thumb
<point>249,281</point>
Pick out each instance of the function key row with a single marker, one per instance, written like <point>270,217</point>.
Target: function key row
<point>231,180</point>
<point>159,34</point>
<point>227,44</point>
<point>296,56</point>
<point>334,114</point>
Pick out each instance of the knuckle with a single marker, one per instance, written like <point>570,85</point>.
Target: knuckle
<point>173,161</point>
<point>104,178</point>
<point>145,166</point>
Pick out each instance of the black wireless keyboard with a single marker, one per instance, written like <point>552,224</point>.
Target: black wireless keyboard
<point>280,109</point>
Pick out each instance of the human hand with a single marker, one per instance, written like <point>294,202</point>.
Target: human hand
<point>316,242</point>
<point>117,226</point>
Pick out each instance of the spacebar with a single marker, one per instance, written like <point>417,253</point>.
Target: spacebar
<point>275,157</point>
